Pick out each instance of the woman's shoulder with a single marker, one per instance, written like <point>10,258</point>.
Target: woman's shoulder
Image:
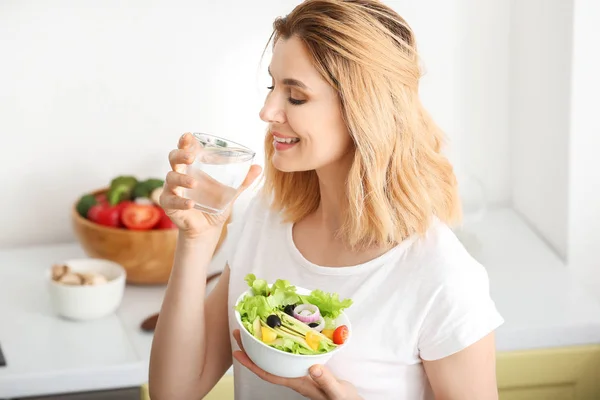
<point>444,258</point>
<point>455,293</point>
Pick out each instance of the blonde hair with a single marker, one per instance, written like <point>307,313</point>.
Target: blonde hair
<point>399,179</point>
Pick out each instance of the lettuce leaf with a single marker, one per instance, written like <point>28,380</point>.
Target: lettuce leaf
<point>251,307</point>
<point>329,323</point>
<point>282,294</point>
<point>289,346</point>
<point>260,287</point>
<point>283,284</point>
<point>329,303</point>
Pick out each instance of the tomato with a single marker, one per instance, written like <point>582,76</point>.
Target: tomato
<point>140,216</point>
<point>104,214</point>
<point>164,222</point>
<point>313,339</point>
<point>340,334</point>
<point>122,205</point>
<point>101,198</point>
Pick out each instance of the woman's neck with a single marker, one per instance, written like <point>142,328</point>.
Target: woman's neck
<point>332,187</point>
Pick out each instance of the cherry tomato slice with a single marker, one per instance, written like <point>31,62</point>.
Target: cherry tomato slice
<point>140,216</point>
<point>340,334</point>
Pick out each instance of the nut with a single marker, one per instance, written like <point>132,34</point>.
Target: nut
<point>58,270</point>
<point>92,278</point>
<point>70,278</point>
<point>63,274</point>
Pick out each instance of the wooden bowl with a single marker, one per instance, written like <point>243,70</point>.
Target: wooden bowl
<point>147,256</point>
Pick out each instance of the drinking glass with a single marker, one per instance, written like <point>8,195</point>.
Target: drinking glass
<point>219,168</point>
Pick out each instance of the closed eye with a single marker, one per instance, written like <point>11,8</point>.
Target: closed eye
<point>291,100</point>
<point>296,102</point>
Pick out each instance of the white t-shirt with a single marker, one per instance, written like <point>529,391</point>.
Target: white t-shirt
<point>426,298</point>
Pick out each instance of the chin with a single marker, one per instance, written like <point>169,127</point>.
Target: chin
<point>285,164</point>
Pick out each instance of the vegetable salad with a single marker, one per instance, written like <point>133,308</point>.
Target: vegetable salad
<point>292,322</point>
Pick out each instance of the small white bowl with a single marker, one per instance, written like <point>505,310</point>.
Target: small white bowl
<point>87,302</point>
<point>278,362</point>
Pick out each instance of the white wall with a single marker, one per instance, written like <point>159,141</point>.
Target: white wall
<point>464,45</point>
<point>91,93</point>
<point>584,172</point>
<point>555,131</point>
<point>540,59</point>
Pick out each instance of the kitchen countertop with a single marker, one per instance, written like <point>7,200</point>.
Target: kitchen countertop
<point>46,354</point>
<point>542,303</point>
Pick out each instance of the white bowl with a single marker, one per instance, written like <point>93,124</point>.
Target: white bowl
<point>89,301</point>
<point>278,362</point>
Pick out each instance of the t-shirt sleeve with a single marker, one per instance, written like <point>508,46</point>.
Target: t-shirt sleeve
<point>461,311</point>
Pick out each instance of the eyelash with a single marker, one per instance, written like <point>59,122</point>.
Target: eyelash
<point>292,101</point>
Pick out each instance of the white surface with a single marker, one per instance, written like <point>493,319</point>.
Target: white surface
<point>541,301</point>
<point>541,43</point>
<point>121,81</point>
<point>584,174</point>
<point>48,354</point>
<point>88,302</point>
<point>283,364</point>
<point>555,131</point>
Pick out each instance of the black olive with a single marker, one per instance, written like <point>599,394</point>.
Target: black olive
<point>289,309</point>
<point>273,321</point>
<point>313,324</point>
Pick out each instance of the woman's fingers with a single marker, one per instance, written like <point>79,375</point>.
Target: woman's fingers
<point>171,201</point>
<point>186,151</point>
<point>179,159</point>
<point>205,189</point>
<point>187,141</point>
<point>238,339</point>
<point>177,179</point>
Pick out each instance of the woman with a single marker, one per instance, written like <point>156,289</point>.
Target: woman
<point>357,200</point>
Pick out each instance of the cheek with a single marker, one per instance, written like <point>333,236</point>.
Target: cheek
<point>318,123</point>
<point>322,130</point>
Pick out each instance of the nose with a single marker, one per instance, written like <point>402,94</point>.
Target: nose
<point>272,111</point>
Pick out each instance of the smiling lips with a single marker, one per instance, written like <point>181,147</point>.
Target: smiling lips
<point>283,142</point>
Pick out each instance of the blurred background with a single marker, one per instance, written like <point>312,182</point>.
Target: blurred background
<point>94,90</point>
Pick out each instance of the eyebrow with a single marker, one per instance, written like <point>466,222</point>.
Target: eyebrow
<point>291,82</point>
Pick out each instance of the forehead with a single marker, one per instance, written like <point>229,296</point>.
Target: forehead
<point>292,60</point>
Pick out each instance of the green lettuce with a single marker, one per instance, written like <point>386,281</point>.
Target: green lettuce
<point>329,303</point>
<point>289,346</point>
<point>280,294</point>
<point>260,287</point>
<point>254,306</point>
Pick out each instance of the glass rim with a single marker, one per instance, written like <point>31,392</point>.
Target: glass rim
<point>236,146</point>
